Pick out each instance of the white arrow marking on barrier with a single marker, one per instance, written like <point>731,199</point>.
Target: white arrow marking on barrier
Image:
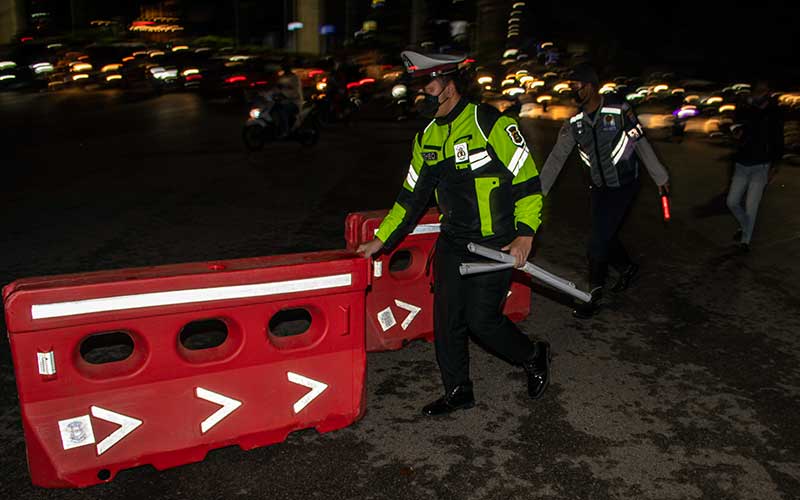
<point>412,312</point>
<point>127,425</point>
<point>229,405</point>
<point>316,389</point>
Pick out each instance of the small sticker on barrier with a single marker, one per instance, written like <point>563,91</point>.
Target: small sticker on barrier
<point>377,269</point>
<point>76,432</point>
<point>47,362</point>
<point>386,318</point>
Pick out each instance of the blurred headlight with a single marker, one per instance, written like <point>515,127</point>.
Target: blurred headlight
<point>81,67</point>
<point>561,87</point>
<point>727,107</point>
<point>190,71</point>
<point>7,64</point>
<point>543,98</point>
<point>110,67</point>
<point>321,86</point>
<point>43,67</point>
<point>514,91</point>
<point>399,91</point>
<point>255,113</point>
<point>485,80</point>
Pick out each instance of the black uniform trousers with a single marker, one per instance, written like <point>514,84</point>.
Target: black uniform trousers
<point>610,206</point>
<point>465,305</point>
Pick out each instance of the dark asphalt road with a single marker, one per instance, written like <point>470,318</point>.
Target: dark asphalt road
<point>687,387</point>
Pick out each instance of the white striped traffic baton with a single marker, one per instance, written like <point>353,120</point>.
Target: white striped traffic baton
<point>506,261</point>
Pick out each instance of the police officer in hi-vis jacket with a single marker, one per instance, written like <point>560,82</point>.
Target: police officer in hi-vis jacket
<point>487,187</point>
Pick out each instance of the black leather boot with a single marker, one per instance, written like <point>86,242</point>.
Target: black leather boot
<point>597,279</point>
<point>585,310</point>
<point>626,278</point>
<point>460,398</point>
<point>537,368</point>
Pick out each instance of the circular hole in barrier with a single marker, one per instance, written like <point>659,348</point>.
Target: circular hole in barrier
<point>203,334</point>
<point>104,474</point>
<point>102,348</point>
<point>290,322</point>
<point>400,261</point>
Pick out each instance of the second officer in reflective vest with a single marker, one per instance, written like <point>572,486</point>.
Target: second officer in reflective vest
<point>611,143</point>
<point>487,187</point>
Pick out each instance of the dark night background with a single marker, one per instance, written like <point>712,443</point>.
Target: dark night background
<point>693,38</point>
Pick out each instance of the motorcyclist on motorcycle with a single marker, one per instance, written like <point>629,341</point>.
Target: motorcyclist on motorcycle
<point>287,109</point>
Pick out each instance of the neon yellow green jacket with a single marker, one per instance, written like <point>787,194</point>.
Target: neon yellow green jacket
<point>486,183</point>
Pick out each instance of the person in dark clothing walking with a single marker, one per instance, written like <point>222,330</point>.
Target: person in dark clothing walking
<point>611,143</point>
<point>758,129</point>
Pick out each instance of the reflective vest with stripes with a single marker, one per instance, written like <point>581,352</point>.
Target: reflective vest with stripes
<point>606,145</point>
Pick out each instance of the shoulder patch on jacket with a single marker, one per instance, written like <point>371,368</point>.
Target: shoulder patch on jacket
<point>515,135</point>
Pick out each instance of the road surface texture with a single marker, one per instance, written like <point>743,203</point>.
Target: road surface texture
<point>685,387</point>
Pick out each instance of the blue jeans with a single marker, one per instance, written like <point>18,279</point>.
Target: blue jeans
<point>750,180</point>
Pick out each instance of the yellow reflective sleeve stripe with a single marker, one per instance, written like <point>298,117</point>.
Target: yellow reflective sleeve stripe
<point>483,189</point>
<point>528,211</point>
<point>391,222</point>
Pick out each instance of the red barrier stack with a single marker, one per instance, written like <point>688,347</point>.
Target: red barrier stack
<point>166,402</point>
<point>400,301</point>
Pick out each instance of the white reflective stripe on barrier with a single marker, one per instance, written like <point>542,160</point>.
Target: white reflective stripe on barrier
<point>229,405</point>
<point>126,426</point>
<point>316,387</point>
<point>156,299</point>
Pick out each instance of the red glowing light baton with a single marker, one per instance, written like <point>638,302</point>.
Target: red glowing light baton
<point>665,207</point>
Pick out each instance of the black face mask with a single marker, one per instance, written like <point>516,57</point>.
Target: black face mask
<point>760,101</point>
<point>576,96</point>
<point>430,104</point>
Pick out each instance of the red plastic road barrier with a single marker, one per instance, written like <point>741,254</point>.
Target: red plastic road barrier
<point>202,356</point>
<point>400,302</point>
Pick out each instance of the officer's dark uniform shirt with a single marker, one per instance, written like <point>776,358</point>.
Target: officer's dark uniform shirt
<point>611,144</point>
<point>486,183</point>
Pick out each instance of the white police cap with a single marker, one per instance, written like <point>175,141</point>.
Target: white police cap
<point>430,64</point>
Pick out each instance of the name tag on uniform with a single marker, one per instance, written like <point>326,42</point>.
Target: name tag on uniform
<point>429,155</point>
<point>461,152</point>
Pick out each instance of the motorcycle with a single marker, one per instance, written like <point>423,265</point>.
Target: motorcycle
<point>262,125</point>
